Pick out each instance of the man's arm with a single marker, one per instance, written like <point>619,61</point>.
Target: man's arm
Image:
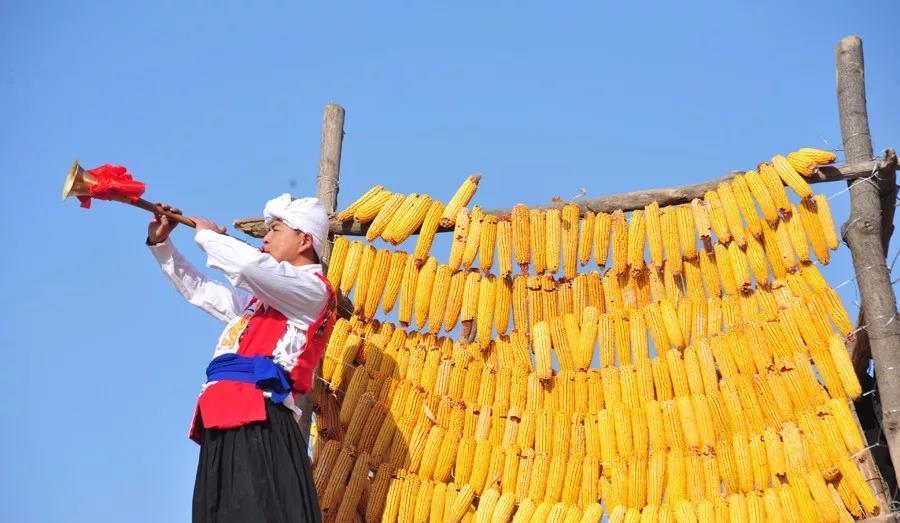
<point>296,293</point>
<point>219,300</point>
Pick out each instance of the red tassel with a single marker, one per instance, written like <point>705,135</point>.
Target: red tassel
<point>112,181</point>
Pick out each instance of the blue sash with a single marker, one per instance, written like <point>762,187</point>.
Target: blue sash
<point>262,371</point>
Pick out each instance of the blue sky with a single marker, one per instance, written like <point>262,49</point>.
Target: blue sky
<point>217,106</point>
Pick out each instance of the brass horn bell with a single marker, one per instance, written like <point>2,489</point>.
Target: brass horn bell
<point>77,182</point>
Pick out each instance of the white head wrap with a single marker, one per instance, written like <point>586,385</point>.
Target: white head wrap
<point>303,214</point>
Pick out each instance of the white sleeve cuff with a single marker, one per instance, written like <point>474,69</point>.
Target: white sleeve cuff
<point>162,251</point>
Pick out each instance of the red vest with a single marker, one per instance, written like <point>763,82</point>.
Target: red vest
<point>229,404</point>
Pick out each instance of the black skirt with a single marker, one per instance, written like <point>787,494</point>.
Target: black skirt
<point>257,473</point>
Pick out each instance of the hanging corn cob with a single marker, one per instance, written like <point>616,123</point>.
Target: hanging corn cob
<point>376,193</point>
<point>553,239</point>
<point>459,200</point>
<point>537,230</point>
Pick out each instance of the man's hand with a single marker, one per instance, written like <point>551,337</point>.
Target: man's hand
<point>206,225</point>
<point>161,226</point>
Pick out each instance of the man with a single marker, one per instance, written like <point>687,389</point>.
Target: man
<point>279,311</point>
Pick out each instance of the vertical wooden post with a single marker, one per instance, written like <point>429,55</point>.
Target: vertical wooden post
<point>863,235</point>
<point>326,192</point>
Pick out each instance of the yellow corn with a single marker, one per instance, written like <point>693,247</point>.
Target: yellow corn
<point>384,216</point>
<point>520,303</point>
<point>790,177</point>
<point>717,220</point>
<point>814,230</point>
<point>521,236</point>
<point>367,197</point>
<point>744,199</point>
<point>488,239</point>
<point>470,300</point>
<point>586,237</point>
<point>538,231</point>
<point>844,367</point>
<point>504,248</point>
<point>454,299</point>
<point>701,218</point>
<point>428,231</point>
<point>619,243</point>
<point>823,211</point>
<point>359,480</point>
<point>377,282</point>
<point>473,239</point>
<point>367,206</point>
<point>439,297</point>
<point>762,196</point>
<point>775,187</point>
<point>686,231</point>
<point>730,208</point>
<point>671,239</point>
<point>636,233</point>
<point>654,233</point>
<point>351,266</point>
<point>602,227</point>
<point>725,267</point>
<point>458,242</point>
<point>366,267</point>
<point>339,253</point>
<point>502,296</point>
<point>424,287</point>
<point>407,221</point>
<point>396,267</point>
<point>459,200</point>
<point>772,247</point>
<point>739,267</point>
<point>552,240</point>
<point>540,339</point>
<point>569,225</point>
<point>485,312</point>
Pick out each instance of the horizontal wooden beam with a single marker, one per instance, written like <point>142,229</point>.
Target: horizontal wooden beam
<point>625,201</point>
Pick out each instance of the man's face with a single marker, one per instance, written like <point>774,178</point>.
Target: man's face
<point>284,243</point>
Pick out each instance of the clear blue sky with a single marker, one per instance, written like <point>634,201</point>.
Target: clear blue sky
<point>217,106</point>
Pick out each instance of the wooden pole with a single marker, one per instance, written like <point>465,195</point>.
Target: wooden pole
<point>863,235</point>
<point>326,192</point>
<point>625,201</point>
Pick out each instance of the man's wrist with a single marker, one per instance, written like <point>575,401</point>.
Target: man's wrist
<point>152,243</point>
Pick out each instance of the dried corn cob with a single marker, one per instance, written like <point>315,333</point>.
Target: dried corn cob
<point>460,236</point>
<point>586,237</point>
<point>384,216</point>
<point>602,227</point>
<point>504,248</point>
<point>427,232</point>
<point>424,287</point>
<point>619,243</point>
<point>439,297</point>
<point>394,280</point>
<point>814,231</point>
<point>790,177</point>
<point>569,233</point>
<point>775,187</point>
<point>538,231</point>
<point>521,229</point>
<point>459,200</point>
<point>488,238</point>
<point>635,246</point>
<point>454,299</point>
<point>823,211</point>
<point>485,311</point>
<point>730,208</point>
<point>407,221</point>
<point>371,199</point>
<point>686,231</point>
<point>552,239</point>
<point>473,239</point>
<point>671,239</point>
<point>762,196</point>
